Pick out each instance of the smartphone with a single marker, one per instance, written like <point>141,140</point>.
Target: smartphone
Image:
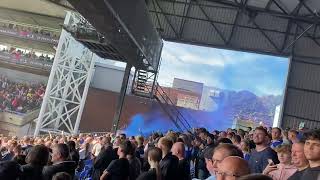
<point>270,162</point>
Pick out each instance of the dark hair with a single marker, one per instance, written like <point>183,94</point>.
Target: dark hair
<point>61,176</point>
<point>126,147</point>
<point>124,135</point>
<point>237,138</point>
<point>277,129</point>
<point>63,150</point>
<point>255,177</point>
<point>71,145</point>
<point>39,155</point>
<point>208,152</point>
<point>260,128</point>
<point>224,140</point>
<point>233,150</point>
<point>313,135</point>
<point>211,136</point>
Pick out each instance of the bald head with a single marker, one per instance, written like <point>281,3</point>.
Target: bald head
<point>232,166</point>
<point>178,150</point>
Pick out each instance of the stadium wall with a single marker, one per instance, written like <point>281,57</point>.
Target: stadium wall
<point>302,101</point>
<point>100,107</point>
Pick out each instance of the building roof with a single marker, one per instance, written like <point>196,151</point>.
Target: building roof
<point>263,26</point>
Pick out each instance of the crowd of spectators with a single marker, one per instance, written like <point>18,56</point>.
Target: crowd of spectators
<point>18,54</point>
<point>19,97</point>
<point>25,31</point>
<point>259,154</point>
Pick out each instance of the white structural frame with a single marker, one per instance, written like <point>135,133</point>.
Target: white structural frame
<point>68,85</point>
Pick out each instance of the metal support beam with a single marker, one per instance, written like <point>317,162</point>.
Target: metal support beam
<point>294,41</point>
<point>289,25</point>
<point>267,37</point>
<point>224,23</point>
<point>121,98</point>
<point>239,14</point>
<point>184,19</point>
<point>213,25</point>
<point>167,19</point>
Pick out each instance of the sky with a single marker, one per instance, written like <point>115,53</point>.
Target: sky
<point>225,69</point>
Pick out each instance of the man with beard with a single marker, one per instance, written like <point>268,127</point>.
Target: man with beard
<point>263,153</point>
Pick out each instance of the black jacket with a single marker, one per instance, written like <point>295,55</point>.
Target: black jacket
<point>75,156</point>
<point>148,175</point>
<point>65,166</point>
<point>102,161</point>
<point>30,172</point>
<point>169,165</point>
<point>184,170</point>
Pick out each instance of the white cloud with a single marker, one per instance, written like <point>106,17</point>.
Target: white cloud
<point>204,56</point>
<point>267,90</point>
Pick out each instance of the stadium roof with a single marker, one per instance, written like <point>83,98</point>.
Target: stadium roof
<point>265,26</point>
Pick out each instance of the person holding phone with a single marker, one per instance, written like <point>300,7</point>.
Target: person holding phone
<point>285,168</point>
<point>258,160</point>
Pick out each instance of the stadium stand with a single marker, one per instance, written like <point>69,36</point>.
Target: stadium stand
<point>200,155</point>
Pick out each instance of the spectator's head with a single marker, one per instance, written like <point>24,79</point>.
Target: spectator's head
<point>154,158</point>
<point>60,152</point>
<point>123,137</point>
<point>10,170</point>
<point>232,167</point>
<point>124,149</point>
<point>284,154</point>
<point>236,139</point>
<point>260,136</point>
<point>245,146</point>
<point>71,145</point>
<point>178,150</point>
<point>223,134</point>
<point>106,141</point>
<point>276,133</point>
<point>154,155</point>
<point>210,139</point>
<point>165,145</point>
<point>224,141</point>
<point>312,148</point>
<point>17,150</point>
<point>203,135</point>
<point>39,155</point>
<point>61,176</point>
<point>298,157</point>
<point>222,151</point>
<point>208,153</point>
<point>255,177</point>
<point>140,140</point>
<point>292,135</point>
<point>26,140</point>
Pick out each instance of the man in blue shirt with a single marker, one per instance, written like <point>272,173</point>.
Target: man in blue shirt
<point>276,137</point>
<point>262,153</point>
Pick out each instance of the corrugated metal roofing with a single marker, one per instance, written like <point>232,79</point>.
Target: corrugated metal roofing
<point>264,26</point>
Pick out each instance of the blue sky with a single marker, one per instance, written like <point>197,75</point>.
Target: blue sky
<point>232,70</point>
